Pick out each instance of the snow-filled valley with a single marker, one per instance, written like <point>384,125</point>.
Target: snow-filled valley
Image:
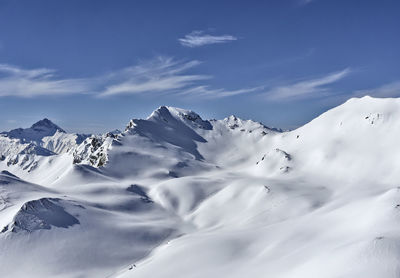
<point>175,195</point>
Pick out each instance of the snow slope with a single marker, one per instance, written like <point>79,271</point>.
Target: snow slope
<point>36,132</point>
<point>175,195</point>
<point>46,134</point>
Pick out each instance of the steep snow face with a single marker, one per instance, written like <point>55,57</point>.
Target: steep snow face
<point>174,126</point>
<point>24,155</point>
<point>61,142</point>
<point>354,141</point>
<point>170,115</point>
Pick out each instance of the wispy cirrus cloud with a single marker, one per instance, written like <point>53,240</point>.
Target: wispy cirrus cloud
<point>165,75</point>
<point>207,92</point>
<point>305,88</point>
<point>388,90</point>
<point>162,74</point>
<point>199,38</point>
<point>15,81</point>
<point>159,76</point>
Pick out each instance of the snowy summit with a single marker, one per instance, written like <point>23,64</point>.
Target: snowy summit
<point>36,132</point>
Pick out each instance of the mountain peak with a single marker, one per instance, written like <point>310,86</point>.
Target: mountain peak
<point>233,122</point>
<point>36,132</point>
<point>168,113</point>
<point>46,124</point>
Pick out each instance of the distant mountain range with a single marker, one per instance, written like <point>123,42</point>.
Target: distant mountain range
<point>175,195</point>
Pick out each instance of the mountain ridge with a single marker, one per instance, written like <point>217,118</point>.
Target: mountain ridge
<point>36,132</point>
<point>175,192</point>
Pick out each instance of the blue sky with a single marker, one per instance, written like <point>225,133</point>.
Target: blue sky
<point>90,66</point>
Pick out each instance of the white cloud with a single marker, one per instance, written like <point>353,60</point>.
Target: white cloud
<point>15,81</point>
<point>387,90</point>
<point>165,75</point>
<point>199,38</point>
<point>162,75</point>
<point>207,92</point>
<point>306,88</point>
<point>159,75</point>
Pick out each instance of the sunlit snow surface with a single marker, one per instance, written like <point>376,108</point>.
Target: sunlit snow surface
<point>178,196</point>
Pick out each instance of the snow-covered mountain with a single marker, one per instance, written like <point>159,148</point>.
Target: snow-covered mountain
<point>175,195</point>
<point>46,134</point>
<point>25,147</point>
<point>35,133</point>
